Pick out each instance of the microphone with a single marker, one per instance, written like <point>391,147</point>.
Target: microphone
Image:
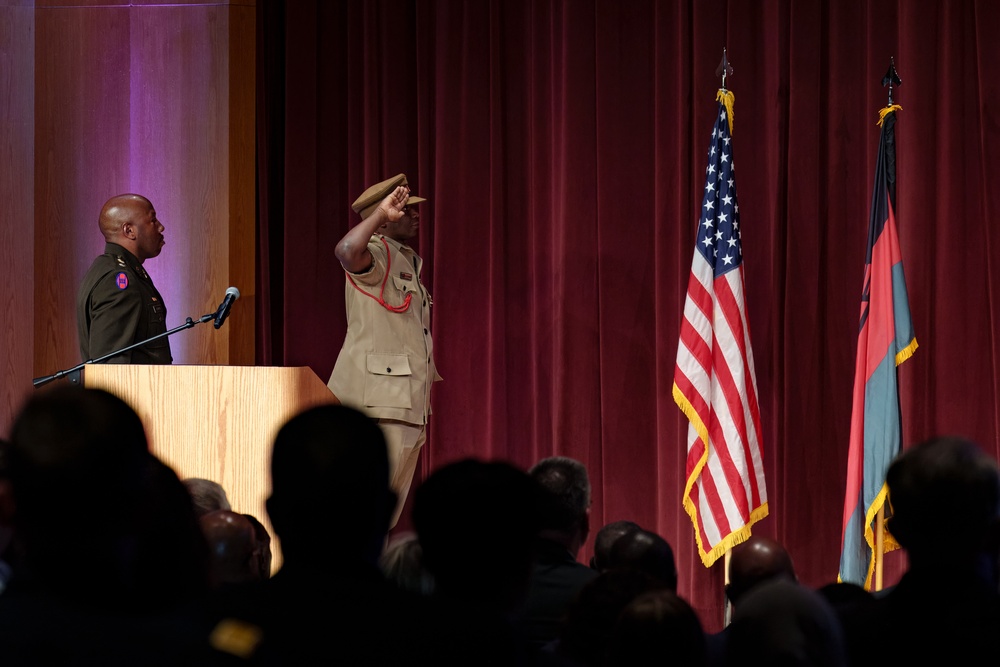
<point>223,312</point>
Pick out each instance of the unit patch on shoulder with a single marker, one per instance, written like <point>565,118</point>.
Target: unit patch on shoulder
<point>121,280</point>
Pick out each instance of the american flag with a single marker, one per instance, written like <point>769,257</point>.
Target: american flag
<point>714,381</point>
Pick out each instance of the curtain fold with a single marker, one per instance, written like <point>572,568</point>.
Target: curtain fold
<point>561,145</point>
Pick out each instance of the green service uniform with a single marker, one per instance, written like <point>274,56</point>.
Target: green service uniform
<point>118,305</point>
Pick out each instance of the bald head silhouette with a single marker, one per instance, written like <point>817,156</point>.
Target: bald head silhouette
<point>330,495</point>
<point>605,540</point>
<point>754,561</point>
<point>231,542</point>
<point>646,551</point>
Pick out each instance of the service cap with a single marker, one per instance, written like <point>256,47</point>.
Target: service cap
<point>373,196</point>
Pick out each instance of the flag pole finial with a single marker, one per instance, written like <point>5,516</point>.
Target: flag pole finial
<point>891,78</point>
<point>724,69</point>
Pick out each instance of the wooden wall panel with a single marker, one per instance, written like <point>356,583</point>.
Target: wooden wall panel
<point>17,47</point>
<point>157,99</point>
<point>81,130</point>
<point>178,147</point>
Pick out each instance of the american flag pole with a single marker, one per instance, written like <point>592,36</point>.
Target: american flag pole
<point>714,379</point>
<point>725,69</point>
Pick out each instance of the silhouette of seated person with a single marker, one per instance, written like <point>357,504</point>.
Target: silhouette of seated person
<point>657,628</point>
<point>330,506</point>
<point>113,559</point>
<point>402,563</point>
<point>605,539</point>
<point>944,495</point>
<point>9,547</point>
<point>206,495</point>
<point>850,602</point>
<point>477,522</point>
<point>232,542</point>
<point>263,556</point>
<point>585,638</point>
<point>648,552</point>
<point>779,622</point>
<point>755,561</point>
<point>556,575</point>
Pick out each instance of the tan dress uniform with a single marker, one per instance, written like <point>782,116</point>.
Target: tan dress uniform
<point>386,366</point>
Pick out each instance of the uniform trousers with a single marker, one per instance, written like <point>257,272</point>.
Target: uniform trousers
<point>403,441</point>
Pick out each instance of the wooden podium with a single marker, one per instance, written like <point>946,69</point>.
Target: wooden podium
<point>216,422</point>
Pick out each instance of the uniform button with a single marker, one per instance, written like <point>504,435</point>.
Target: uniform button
<point>388,370</point>
<point>425,332</point>
<point>425,302</point>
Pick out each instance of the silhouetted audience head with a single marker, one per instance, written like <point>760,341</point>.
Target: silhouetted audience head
<point>590,623</point>
<point>402,563</point>
<point>565,517</point>
<point>605,540</point>
<point>262,553</point>
<point>207,496</point>
<point>231,543</point>
<point>756,560</point>
<point>943,494</point>
<point>658,628</point>
<point>779,622</point>
<point>330,479</point>
<point>477,522</point>
<point>939,489</point>
<point>645,550</point>
<point>7,545</point>
<point>99,517</point>
<point>846,598</point>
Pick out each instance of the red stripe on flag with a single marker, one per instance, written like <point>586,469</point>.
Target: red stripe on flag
<point>722,444</point>
<point>692,395</point>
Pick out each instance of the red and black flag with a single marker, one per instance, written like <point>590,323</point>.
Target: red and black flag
<point>885,340</point>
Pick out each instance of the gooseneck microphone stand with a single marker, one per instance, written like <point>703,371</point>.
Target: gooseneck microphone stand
<point>74,374</point>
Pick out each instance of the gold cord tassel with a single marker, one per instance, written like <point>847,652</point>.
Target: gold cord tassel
<point>727,98</point>
<point>882,113</point>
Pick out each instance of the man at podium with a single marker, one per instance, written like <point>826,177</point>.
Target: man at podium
<point>386,366</point>
<point>117,304</point>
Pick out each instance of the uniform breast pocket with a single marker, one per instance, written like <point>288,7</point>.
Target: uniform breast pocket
<point>157,313</point>
<point>157,316</point>
<point>387,382</point>
<point>404,286</point>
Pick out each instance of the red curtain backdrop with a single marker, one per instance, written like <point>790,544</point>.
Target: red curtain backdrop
<point>562,147</point>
